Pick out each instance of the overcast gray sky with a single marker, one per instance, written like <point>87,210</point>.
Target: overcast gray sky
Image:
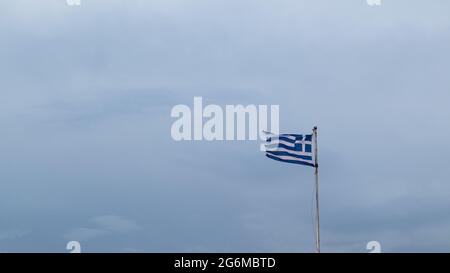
<point>85,146</point>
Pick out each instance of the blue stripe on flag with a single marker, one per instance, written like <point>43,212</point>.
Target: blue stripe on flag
<point>281,145</point>
<point>290,161</point>
<point>304,157</point>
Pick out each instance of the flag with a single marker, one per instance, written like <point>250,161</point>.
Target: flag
<point>290,148</point>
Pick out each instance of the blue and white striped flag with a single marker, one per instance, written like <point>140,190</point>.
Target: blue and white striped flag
<point>290,148</point>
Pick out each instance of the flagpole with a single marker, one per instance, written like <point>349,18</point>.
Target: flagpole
<point>316,175</point>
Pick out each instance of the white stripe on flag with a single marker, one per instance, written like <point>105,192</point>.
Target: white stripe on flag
<point>279,149</point>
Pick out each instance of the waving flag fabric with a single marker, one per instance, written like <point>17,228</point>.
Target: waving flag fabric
<point>290,148</point>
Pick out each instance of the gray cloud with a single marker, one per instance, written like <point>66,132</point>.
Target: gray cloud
<point>86,95</point>
<point>106,225</point>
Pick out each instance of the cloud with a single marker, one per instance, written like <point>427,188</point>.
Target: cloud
<point>116,223</point>
<point>85,122</point>
<point>84,234</point>
<point>13,234</point>
<point>106,225</point>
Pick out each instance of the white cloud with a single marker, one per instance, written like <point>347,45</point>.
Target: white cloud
<point>83,234</point>
<point>103,225</point>
<point>116,223</point>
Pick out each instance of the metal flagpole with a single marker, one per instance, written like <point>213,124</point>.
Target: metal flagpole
<point>316,174</point>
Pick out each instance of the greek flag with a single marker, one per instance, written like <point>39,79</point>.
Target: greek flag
<point>290,148</point>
